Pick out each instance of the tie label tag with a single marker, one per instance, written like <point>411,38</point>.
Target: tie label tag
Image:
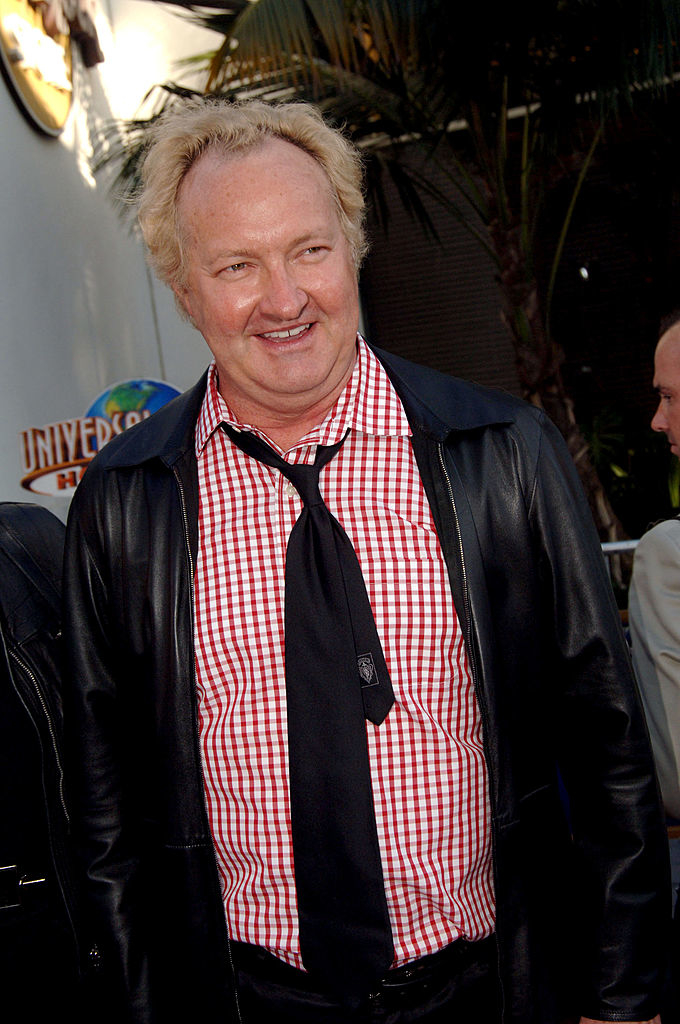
<point>369,676</point>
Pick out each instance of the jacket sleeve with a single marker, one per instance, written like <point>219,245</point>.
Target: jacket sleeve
<point>101,779</point>
<point>654,615</point>
<point>620,849</point>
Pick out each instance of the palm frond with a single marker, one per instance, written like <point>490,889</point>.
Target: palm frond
<point>270,35</point>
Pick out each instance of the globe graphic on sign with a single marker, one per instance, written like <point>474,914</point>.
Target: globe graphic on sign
<point>132,396</point>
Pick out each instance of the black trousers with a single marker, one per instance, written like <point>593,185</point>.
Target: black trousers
<point>458,984</point>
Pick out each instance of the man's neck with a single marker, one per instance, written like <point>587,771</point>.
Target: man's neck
<point>285,427</point>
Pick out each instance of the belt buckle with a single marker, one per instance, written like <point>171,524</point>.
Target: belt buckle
<point>15,886</point>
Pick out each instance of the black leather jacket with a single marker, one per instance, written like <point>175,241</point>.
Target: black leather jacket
<point>580,857</point>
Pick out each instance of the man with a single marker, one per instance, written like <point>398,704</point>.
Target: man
<point>654,604</point>
<point>213,610</point>
<point>653,613</point>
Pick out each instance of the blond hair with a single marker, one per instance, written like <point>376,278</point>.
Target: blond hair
<point>184,133</point>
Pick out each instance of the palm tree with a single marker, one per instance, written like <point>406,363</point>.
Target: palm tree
<point>533,87</point>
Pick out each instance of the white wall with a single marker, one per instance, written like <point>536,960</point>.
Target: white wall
<point>78,310</point>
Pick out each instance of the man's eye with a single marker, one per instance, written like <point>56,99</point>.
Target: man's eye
<point>231,268</point>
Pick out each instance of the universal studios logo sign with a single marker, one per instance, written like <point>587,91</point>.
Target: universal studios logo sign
<point>54,457</point>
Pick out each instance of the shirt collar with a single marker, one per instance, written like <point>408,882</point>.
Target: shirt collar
<point>368,405</point>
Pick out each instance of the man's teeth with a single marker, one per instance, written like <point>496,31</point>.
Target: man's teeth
<point>292,333</point>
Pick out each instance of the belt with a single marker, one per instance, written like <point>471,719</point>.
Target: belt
<point>400,984</point>
<point>451,960</point>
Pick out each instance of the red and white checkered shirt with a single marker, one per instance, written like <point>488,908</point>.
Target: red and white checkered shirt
<point>427,766</point>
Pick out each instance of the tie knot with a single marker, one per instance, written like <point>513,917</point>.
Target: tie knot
<point>305,480</point>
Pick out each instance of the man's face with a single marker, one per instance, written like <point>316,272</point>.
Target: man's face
<point>667,383</point>
<point>269,282</point>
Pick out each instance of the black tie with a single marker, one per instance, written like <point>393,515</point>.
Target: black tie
<point>336,677</point>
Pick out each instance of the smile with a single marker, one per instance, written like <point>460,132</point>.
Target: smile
<point>294,332</point>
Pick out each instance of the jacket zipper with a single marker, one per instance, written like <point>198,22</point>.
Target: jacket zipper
<point>185,521</point>
<point>466,594</point>
<point>67,896</point>
<point>473,661</point>
<point>50,726</point>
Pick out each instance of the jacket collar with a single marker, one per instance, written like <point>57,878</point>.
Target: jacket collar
<point>167,435</point>
<point>438,404</point>
<point>435,404</point>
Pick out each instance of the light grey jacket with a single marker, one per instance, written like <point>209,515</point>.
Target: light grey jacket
<point>654,618</point>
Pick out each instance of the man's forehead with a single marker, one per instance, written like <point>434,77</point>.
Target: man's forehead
<point>272,167</point>
<point>667,359</point>
<point>671,338</point>
<point>269,149</point>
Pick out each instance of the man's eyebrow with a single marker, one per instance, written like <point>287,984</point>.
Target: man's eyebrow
<point>319,234</point>
<point>231,254</point>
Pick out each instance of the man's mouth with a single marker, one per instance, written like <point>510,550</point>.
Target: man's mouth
<point>292,332</point>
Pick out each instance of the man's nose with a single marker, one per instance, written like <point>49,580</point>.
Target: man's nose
<point>659,421</point>
<point>282,296</point>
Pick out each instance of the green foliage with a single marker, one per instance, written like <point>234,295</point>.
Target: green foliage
<point>674,484</point>
<point>636,468</point>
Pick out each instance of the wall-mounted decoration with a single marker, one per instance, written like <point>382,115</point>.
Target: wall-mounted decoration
<point>36,59</point>
<point>55,456</point>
